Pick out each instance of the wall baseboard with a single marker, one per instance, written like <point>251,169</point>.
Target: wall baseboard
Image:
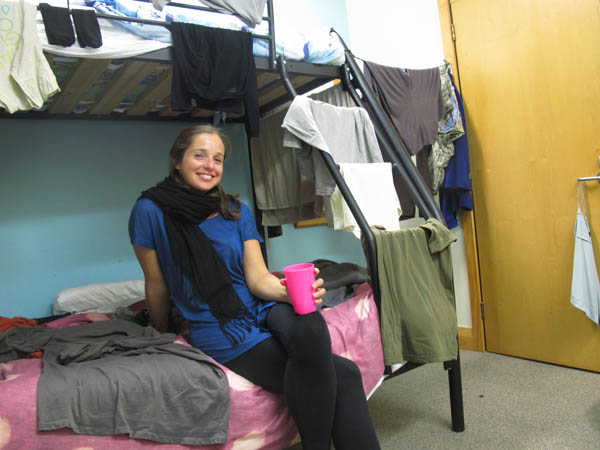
<point>467,340</point>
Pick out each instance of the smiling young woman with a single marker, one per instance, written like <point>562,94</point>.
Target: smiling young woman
<point>199,247</point>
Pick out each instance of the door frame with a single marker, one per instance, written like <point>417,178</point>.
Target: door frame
<point>468,338</point>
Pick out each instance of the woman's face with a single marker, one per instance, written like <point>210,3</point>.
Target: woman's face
<point>202,164</point>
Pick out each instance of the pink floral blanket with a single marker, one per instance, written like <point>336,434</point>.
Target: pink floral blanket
<point>258,419</point>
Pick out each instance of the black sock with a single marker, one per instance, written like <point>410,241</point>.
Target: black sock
<point>57,23</point>
<point>87,28</point>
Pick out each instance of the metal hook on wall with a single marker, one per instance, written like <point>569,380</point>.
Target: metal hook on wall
<point>597,178</point>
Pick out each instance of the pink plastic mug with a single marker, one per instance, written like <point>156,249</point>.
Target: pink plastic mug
<point>299,279</point>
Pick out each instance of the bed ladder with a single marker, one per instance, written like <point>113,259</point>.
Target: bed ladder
<point>395,150</point>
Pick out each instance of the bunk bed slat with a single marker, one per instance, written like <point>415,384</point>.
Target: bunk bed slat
<point>81,80</point>
<point>129,77</point>
<point>166,111</point>
<point>155,95</point>
<point>265,79</point>
<point>202,113</point>
<point>49,58</point>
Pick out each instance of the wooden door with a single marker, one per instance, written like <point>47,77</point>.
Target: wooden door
<point>530,77</point>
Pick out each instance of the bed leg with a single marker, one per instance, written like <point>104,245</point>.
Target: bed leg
<point>456,399</point>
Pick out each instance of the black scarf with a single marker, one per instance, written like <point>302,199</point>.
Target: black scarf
<point>183,209</point>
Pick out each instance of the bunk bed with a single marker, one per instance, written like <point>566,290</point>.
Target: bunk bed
<point>129,77</point>
<point>137,87</point>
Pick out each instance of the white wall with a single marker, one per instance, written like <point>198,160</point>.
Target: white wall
<point>397,33</point>
<point>407,34</point>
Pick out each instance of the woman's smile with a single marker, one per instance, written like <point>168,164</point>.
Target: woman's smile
<point>201,166</point>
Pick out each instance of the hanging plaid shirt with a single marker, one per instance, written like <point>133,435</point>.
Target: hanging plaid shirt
<point>450,128</point>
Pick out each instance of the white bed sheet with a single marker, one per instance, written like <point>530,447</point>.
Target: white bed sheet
<point>126,39</point>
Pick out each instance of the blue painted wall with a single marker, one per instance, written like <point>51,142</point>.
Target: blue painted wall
<point>299,245</point>
<point>66,189</point>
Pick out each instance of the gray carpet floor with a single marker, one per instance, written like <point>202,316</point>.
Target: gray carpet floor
<point>509,403</point>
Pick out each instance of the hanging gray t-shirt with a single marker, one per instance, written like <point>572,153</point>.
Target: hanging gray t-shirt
<point>346,133</point>
<point>412,99</point>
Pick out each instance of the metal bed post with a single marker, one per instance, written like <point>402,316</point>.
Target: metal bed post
<point>348,197</point>
<point>457,412</point>
<point>272,43</point>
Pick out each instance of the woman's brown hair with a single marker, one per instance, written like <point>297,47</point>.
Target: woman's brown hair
<point>230,205</point>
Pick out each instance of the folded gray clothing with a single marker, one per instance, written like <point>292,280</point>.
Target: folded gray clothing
<point>334,297</point>
<point>249,11</point>
<point>19,342</point>
<point>340,280</point>
<point>116,377</point>
<point>336,275</point>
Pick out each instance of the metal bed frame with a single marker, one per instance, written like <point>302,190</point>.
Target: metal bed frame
<point>354,82</point>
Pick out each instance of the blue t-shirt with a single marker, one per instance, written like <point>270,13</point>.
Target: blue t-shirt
<point>147,229</point>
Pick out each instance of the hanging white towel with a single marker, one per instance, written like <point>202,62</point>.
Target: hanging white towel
<point>26,79</point>
<point>585,287</point>
<point>372,187</point>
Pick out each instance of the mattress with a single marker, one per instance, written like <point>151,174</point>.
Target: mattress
<point>258,419</point>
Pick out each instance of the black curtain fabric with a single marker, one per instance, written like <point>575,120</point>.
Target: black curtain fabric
<point>216,68</point>
<point>87,28</point>
<point>57,23</point>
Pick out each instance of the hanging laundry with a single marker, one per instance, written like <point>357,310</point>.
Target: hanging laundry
<point>421,160</point>
<point>282,194</point>
<point>336,95</point>
<point>412,99</point>
<point>372,187</point>
<point>58,26</point>
<point>450,128</point>
<point>216,68</point>
<point>347,134</point>
<point>585,287</point>
<point>26,78</point>
<point>87,28</point>
<point>456,191</point>
<point>418,314</point>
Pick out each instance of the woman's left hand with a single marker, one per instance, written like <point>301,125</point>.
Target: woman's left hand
<point>319,291</point>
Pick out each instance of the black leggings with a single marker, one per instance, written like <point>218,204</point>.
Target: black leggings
<point>324,392</point>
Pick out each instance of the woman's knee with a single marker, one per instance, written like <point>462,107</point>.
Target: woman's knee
<point>299,331</point>
<point>310,331</point>
<point>348,374</point>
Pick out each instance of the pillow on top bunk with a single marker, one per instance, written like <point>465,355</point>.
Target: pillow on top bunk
<point>99,297</point>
